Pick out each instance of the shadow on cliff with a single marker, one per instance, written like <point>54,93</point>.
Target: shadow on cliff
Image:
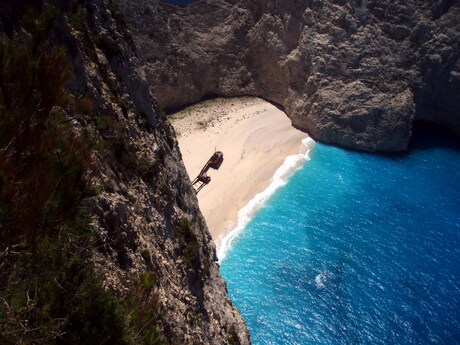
<point>425,136</point>
<point>428,135</point>
<point>208,97</point>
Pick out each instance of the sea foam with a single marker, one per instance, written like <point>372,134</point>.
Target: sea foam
<point>290,165</point>
<point>356,249</point>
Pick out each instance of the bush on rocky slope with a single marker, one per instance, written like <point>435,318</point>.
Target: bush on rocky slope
<point>49,293</point>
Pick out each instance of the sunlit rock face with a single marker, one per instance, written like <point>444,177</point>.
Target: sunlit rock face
<point>353,73</point>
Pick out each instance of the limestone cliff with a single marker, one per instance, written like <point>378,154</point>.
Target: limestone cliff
<point>353,73</point>
<point>146,212</point>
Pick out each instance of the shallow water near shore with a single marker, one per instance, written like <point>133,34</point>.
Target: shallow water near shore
<point>356,249</point>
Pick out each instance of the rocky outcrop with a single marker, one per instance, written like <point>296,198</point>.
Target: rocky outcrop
<point>146,212</point>
<point>353,73</point>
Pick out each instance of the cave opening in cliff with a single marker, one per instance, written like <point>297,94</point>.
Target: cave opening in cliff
<point>429,135</point>
<point>212,96</point>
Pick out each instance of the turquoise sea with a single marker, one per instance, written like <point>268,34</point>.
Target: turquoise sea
<point>355,249</point>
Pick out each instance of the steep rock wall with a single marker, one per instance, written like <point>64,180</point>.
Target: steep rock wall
<point>146,214</point>
<point>353,73</point>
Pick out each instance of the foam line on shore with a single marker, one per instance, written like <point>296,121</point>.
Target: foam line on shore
<point>290,165</point>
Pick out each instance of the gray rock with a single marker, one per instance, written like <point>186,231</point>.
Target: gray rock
<point>352,73</point>
<point>147,214</point>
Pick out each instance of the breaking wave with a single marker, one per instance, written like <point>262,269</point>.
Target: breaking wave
<point>290,165</point>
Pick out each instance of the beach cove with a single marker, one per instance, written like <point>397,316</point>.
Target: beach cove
<point>255,138</point>
<point>356,248</point>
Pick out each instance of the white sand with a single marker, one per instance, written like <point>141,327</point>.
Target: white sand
<point>255,138</point>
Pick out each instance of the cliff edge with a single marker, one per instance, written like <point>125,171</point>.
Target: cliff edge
<point>148,241</point>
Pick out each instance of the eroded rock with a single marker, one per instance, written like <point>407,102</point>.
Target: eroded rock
<point>352,73</point>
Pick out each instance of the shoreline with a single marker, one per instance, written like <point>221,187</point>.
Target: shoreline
<point>255,137</point>
<point>281,177</point>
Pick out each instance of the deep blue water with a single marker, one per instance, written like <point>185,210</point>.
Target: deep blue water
<point>356,249</point>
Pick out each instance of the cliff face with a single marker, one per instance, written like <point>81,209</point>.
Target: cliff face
<point>146,213</point>
<point>353,73</point>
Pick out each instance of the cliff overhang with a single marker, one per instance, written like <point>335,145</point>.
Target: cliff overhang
<point>350,73</point>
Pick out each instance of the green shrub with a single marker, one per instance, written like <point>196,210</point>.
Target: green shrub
<point>109,46</point>
<point>161,155</point>
<point>147,280</point>
<point>77,19</point>
<point>49,293</point>
<point>104,123</point>
<point>124,106</point>
<point>43,162</point>
<point>56,298</point>
<point>141,322</point>
<point>189,248</point>
<point>96,190</point>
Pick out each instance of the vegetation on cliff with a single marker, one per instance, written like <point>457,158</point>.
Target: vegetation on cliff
<point>49,293</point>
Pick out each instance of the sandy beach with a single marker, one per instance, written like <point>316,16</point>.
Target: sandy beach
<point>255,138</point>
